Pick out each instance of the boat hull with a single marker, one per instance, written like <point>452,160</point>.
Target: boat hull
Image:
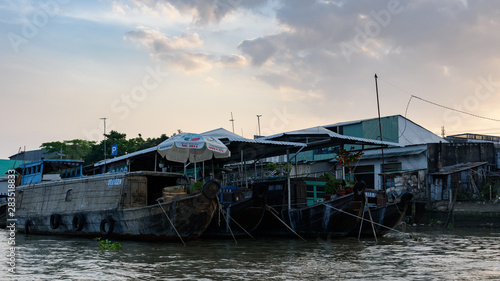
<point>117,215</point>
<point>334,218</point>
<point>384,219</point>
<point>239,219</point>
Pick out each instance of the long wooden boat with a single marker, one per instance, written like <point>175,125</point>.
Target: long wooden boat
<point>128,205</point>
<point>384,215</point>
<point>239,212</point>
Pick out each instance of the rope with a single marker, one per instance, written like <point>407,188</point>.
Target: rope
<point>381,225</point>
<point>225,219</point>
<point>171,223</point>
<point>371,219</point>
<point>274,213</point>
<point>224,212</point>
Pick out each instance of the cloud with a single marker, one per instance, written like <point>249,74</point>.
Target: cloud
<point>416,35</point>
<point>232,61</point>
<point>260,49</point>
<point>212,81</point>
<point>178,52</point>
<point>202,11</point>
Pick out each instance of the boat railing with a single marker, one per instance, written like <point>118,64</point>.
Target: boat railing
<point>245,178</point>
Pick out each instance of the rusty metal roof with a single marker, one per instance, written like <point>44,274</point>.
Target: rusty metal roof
<point>458,168</point>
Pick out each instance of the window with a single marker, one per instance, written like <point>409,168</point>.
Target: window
<point>326,150</point>
<point>391,167</point>
<point>69,195</point>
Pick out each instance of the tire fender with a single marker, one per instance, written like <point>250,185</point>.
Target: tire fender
<point>211,188</point>
<point>110,223</point>
<point>55,221</point>
<point>78,222</point>
<point>27,225</point>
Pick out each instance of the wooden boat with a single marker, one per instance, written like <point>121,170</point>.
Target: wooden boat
<point>239,212</point>
<point>128,205</point>
<point>384,215</point>
<point>334,218</point>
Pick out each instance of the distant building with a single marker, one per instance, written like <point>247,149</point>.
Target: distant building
<point>478,138</point>
<point>33,155</point>
<point>424,164</point>
<point>5,166</point>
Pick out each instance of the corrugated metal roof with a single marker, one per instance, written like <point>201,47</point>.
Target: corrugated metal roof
<point>393,154</point>
<point>222,134</point>
<point>123,157</point>
<point>402,172</point>
<point>321,131</point>
<point>226,137</point>
<point>458,168</point>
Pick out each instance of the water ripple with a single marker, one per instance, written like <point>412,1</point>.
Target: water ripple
<point>429,255</point>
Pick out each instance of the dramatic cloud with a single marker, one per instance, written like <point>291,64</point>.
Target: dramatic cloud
<point>325,38</point>
<point>313,59</point>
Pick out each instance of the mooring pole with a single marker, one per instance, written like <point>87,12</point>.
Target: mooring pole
<point>380,129</point>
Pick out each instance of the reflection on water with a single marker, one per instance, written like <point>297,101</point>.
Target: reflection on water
<point>427,255</point>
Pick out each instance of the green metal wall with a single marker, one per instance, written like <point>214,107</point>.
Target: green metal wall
<point>368,129</point>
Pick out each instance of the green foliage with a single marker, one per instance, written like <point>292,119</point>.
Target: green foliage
<point>196,186</point>
<point>92,152</point>
<point>331,184</point>
<point>108,245</point>
<point>279,166</point>
<point>71,149</point>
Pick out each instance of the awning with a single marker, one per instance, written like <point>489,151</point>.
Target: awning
<point>458,168</point>
<point>252,148</point>
<point>389,154</point>
<point>319,137</point>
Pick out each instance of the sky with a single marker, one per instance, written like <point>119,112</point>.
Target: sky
<point>152,67</point>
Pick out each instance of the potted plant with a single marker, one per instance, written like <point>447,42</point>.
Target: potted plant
<point>331,185</point>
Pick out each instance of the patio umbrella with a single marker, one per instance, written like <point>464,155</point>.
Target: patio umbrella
<point>193,147</point>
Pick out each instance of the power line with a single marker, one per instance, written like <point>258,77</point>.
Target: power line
<point>460,111</point>
<point>439,105</point>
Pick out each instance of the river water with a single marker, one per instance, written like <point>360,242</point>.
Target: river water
<point>429,254</point>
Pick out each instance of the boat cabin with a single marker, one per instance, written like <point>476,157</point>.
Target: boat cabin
<point>33,172</point>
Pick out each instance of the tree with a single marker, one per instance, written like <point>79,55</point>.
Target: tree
<point>347,159</point>
<point>75,149</point>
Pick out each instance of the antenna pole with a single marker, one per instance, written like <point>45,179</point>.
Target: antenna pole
<point>380,129</point>
<point>232,121</point>
<point>258,122</point>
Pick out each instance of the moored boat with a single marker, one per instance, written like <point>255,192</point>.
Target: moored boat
<point>381,216</point>
<point>129,205</point>
<point>239,212</point>
<point>335,217</point>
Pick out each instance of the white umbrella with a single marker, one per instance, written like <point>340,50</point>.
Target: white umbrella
<point>192,147</point>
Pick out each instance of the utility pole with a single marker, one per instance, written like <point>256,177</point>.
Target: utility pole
<point>258,121</point>
<point>232,121</point>
<point>104,119</point>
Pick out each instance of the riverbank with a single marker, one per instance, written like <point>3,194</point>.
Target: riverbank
<point>463,214</point>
